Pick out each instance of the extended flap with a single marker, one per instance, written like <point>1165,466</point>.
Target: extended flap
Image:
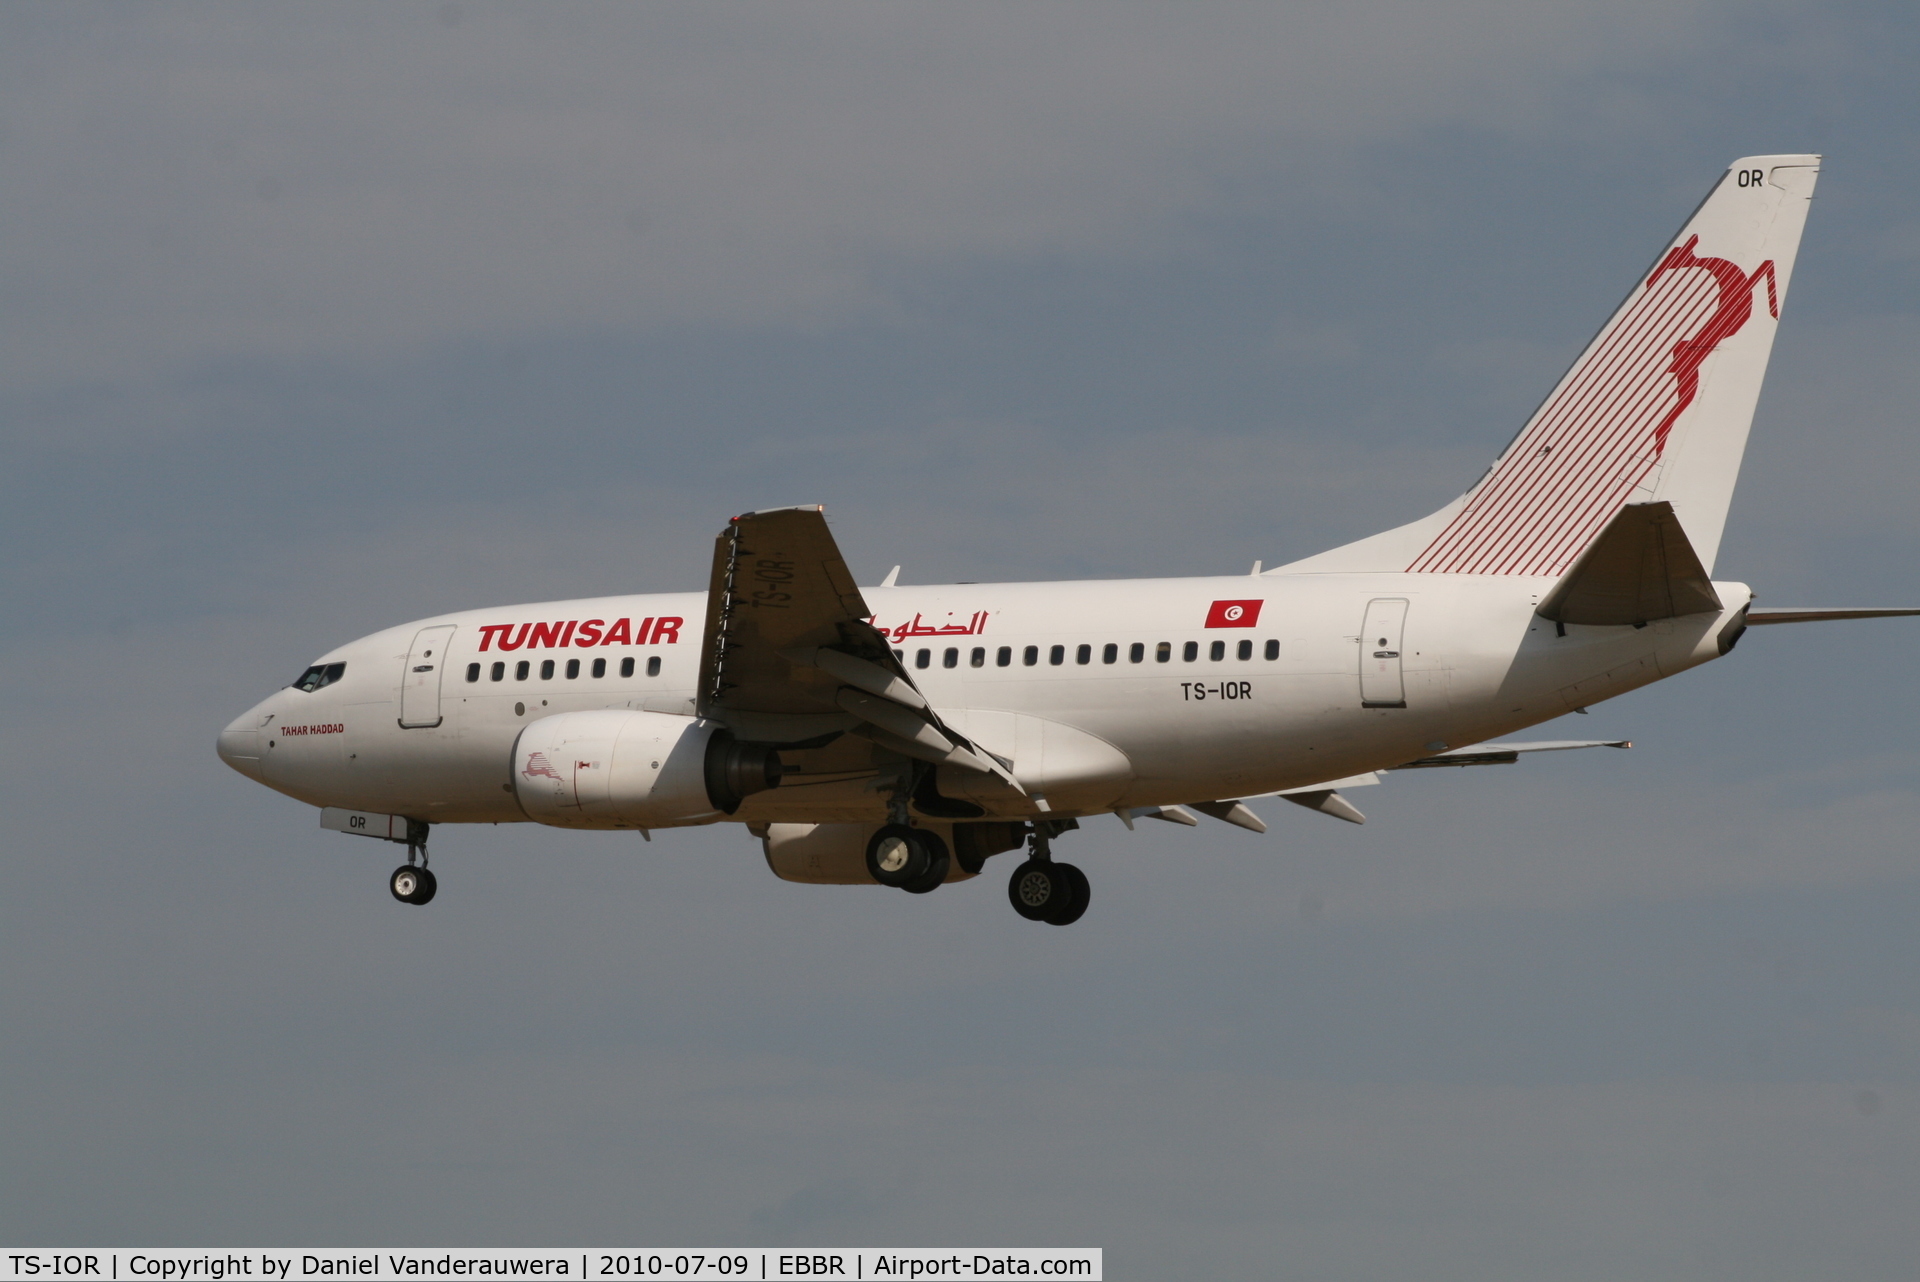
<point>1639,569</point>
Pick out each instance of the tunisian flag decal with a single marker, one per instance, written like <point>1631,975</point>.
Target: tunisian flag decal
<point>1234,614</point>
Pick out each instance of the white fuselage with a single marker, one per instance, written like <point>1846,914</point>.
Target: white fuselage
<point>1109,693</point>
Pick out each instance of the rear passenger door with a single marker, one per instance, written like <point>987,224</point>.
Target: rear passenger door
<point>1382,684</point>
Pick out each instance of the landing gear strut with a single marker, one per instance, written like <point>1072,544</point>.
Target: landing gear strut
<point>410,884</point>
<point>1042,890</point>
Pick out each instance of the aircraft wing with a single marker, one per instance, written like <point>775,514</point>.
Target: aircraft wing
<point>780,583</point>
<point>788,655</point>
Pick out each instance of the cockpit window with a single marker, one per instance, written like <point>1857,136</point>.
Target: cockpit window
<point>320,674</point>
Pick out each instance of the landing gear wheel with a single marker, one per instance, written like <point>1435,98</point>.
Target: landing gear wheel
<point>937,865</point>
<point>900,856</point>
<point>1037,889</point>
<point>411,884</point>
<point>1074,904</point>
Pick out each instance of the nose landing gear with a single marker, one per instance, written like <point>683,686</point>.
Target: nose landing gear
<point>411,884</point>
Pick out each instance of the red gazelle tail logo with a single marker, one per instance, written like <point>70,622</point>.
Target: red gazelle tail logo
<point>1604,429</point>
<point>1734,307</point>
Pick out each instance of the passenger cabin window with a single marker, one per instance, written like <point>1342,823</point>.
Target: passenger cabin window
<point>1110,654</point>
<point>499,672</point>
<point>921,658</point>
<point>1273,650</point>
<point>1083,655</point>
<point>1163,652</point>
<point>473,672</point>
<point>573,669</point>
<point>653,665</point>
<point>1217,651</point>
<point>1246,649</point>
<point>521,669</point>
<point>1136,653</point>
<point>1190,651</point>
<point>1003,657</point>
<point>599,667</point>
<point>1057,655</point>
<point>951,659</point>
<point>546,669</point>
<point>1031,655</point>
<point>320,674</point>
<point>626,666</point>
<point>978,658</point>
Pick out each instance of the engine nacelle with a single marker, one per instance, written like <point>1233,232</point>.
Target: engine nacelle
<point>617,768</point>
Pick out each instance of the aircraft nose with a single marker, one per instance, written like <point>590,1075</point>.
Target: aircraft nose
<point>239,745</point>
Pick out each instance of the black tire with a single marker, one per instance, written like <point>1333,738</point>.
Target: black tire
<point>1073,905</point>
<point>1036,889</point>
<point>405,883</point>
<point>898,856</point>
<point>939,862</point>
<point>429,887</point>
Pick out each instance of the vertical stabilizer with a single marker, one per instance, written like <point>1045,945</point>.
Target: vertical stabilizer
<point>1655,410</point>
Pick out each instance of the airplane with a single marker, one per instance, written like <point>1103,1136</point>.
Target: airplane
<point>903,735</point>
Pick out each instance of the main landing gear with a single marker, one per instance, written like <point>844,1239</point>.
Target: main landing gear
<point>1042,890</point>
<point>910,859</point>
<point>410,884</point>
<point>916,860</point>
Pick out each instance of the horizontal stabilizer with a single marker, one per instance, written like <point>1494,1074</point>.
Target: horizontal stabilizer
<point>1641,568</point>
<point>1505,754</point>
<point>1820,614</point>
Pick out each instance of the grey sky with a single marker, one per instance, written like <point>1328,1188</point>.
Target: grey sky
<point>319,319</point>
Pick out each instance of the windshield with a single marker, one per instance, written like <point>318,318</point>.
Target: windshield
<point>320,674</point>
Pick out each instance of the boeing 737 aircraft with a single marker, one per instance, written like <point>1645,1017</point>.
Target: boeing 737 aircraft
<point>903,735</point>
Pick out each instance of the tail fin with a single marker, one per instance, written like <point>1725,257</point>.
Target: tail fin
<point>1655,410</point>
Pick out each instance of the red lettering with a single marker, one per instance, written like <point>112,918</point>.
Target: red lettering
<point>667,631</point>
<point>568,634</point>
<point>545,635</point>
<point>589,634</point>
<point>617,634</point>
<point>519,639</point>
<point>492,630</point>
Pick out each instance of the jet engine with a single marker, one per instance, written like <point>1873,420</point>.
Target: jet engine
<point>618,768</point>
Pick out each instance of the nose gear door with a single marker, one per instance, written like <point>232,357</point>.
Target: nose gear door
<point>1381,685</point>
<point>420,683</point>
